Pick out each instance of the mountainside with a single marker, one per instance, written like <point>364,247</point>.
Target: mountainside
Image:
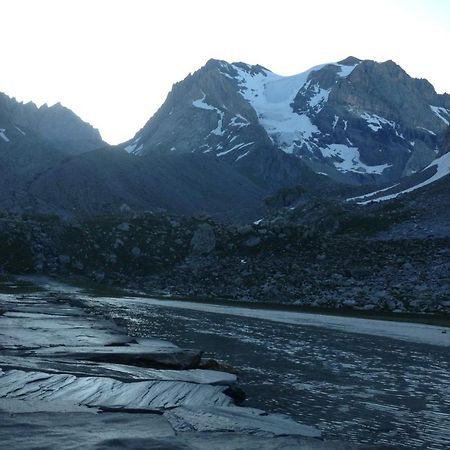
<point>231,135</point>
<point>32,140</point>
<point>358,122</point>
<point>53,162</point>
<point>108,180</point>
<point>54,125</point>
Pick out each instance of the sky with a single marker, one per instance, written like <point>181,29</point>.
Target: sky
<point>113,62</point>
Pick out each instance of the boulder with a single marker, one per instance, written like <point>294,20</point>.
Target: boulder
<point>203,241</point>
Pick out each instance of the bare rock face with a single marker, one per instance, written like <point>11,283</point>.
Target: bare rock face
<point>204,240</point>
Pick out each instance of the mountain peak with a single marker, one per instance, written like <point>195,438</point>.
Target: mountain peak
<point>350,61</point>
<point>55,126</point>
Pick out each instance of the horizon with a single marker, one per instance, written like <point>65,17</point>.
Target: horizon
<point>99,58</point>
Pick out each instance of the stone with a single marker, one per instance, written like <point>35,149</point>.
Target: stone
<point>136,251</point>
<point>203,241</point>
<point>64,259</point>
<point>124,226</point>
<point>252,241</point>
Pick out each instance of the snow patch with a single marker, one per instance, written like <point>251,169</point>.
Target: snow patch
<point>442,165</point>
<point>134,148</point>
<point>3,135</point>
<point>346,70</point>
<point>319,98</point>
<point>442,113</point>
<point>238,146</point>
<point>427,130</point>
<point>335,122</point>
<point>271,96</point>
<point>243,155</point>
<point>375,122</point>
<point>20,131</point>
<point>372,194</point>
<point>350,160</point>
<point>239,121</point>
<point>201,104</point>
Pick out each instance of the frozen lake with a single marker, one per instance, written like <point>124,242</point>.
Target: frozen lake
<point>357,387</point>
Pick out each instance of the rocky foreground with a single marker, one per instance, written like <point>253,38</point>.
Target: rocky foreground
<point>71,381</point>
<point>335,261</point>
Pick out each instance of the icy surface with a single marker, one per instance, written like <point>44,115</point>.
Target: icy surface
<point>371,194</point>
<point>243,155</point>
<point>3,135</point>
<point>271,96</point>
<point>427,130</point>
<point>375,123</point>
<point>319,98</point>
<point>345,71</point>
<point>119,371</point>
<point>349,159</point>
<point>442,113</point>
<point>134,148</point>
<point>239,121</point>
<point>442,166</point>
<point>340,381</point>
<point>34,330</point>
<point>133,431</point>
<point>247,420</point>
<point>55,359</point>
<point>236,147</point>
<point>411,332</point>
<point>107,392</point>
<point>201,104</point>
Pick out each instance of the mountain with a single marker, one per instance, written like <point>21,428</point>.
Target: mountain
<point>55,125</point>
<point>230,136</point>
<point>33,140</point>
<point>357,122</point>
<point>53,162</point>
<point>437,169</point>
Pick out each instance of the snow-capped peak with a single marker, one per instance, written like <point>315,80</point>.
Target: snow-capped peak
<point>272,96</point>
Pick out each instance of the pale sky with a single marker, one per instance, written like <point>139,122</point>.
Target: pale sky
<point>114,61</point>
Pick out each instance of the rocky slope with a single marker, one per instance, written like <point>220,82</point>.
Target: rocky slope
<point>323,260</point>
<point>32,140</point>
<point>109,180</point>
